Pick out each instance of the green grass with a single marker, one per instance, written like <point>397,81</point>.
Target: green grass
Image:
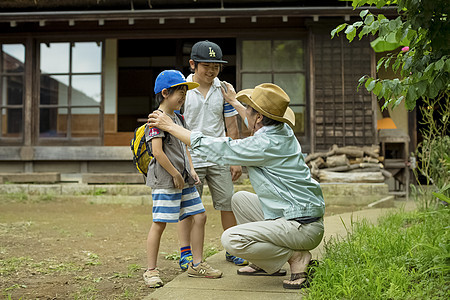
<point>405,256</point>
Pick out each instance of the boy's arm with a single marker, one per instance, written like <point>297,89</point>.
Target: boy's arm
<point>161,157</point>
<point>230,97</point>
<point>232,127</point>
<point>233,132</point>
<point>231,124</point>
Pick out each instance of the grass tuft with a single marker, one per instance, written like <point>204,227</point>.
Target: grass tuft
<point>405,256</point>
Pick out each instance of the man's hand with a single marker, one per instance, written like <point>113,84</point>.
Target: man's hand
<point>178,181</point>
<point>236,172</point>
<point>160,120</point>
<point>230,94</point>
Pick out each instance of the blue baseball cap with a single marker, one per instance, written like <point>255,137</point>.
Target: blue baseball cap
<point>171,78</point>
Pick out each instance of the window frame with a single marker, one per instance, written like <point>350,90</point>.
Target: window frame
<point>13,141</point>
<point>303,138</point>
<point>68,140</point>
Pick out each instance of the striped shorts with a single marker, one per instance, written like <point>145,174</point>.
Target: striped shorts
<point>173,205</point>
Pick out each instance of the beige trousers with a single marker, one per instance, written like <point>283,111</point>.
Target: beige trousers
<point>267,243</point>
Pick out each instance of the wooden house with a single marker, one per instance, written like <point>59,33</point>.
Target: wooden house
<point>77,75</point>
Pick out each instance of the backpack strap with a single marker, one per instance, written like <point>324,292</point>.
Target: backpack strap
<point>180,116</point>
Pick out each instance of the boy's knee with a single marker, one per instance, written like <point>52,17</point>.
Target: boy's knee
<point>200,218</point>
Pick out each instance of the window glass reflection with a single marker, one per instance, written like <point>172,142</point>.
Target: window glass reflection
<point>249,81</point>
<point>86,90</point>
<point>12,90</point>
<point>288,55</point>
<point>293,85</point>
<point>55,58</point>
<point>12,122</point>
<point>87,57</point>
<point>13,58</point>
<point>256,55</point>
<point>300,120</point>
<point>53,122</point>
<point>54,89</point>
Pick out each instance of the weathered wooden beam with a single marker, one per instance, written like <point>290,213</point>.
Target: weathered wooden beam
<point>371,177</point>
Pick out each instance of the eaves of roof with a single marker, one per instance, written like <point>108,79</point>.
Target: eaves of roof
<point>189,13</point>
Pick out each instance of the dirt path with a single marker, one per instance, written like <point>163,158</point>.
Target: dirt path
<point>65,248</point>
<point>68,249</point>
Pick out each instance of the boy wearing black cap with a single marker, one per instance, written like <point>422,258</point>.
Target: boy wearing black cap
<point>206,111</point>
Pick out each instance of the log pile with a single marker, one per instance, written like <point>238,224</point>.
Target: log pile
<point>348,164</point>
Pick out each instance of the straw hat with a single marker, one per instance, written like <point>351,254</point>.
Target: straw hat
<point>270,100</point>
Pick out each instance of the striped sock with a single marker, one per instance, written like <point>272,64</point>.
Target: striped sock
<point>185,251</point>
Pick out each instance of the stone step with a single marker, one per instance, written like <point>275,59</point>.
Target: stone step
<point>112,178</point>
<point>334,194</point>
<point>41,177</point>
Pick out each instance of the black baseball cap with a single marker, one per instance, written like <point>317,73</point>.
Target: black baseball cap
<point>206,51</point>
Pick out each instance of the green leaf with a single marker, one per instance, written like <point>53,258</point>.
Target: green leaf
<point>381,45</point>
<point>377,89</point>
<point>363,13</point>
<point>362,79</point>
<point>369,19</point>
<point>432,91</point>
<point>369,80</point>
<point>421,88</point>
<point>408,62</point>
<point>442,197</point>
<point>398,101</point>
<point>365,30</point>
<point>338,29</point>
<point>350,32</point>
<point>392,25</point>
<point>439,64</point>
<point>447,66</point>
<point>333,32</point>
<point>411,94</point>
<point>387,62</point>
<point>374,27</point>
<point>371,85</point>
<point>380,63</point>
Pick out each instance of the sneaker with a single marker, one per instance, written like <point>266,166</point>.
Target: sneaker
<point>185,261</point>
<point>152,279</point>
<point>203,270</point>
<point>236,260</point>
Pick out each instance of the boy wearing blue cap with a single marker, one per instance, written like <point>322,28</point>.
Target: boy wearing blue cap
<point>171,176</point>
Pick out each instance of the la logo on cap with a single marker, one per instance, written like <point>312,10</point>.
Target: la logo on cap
<point>211,52</point>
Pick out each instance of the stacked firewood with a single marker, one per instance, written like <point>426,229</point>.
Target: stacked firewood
<point>348,164</point>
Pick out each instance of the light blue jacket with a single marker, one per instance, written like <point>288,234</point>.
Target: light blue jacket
<point>276,167</point>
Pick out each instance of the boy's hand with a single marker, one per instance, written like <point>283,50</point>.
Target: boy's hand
<point>178,181</point>
<point>236,172</point>
<point>230,94</point>
<point>195,176</point>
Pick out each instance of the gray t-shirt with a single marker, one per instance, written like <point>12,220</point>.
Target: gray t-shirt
<point>175,150</point>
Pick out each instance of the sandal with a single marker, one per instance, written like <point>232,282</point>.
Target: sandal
<point>260,272</point>
<point>297,286</point>
<point>308,275</point>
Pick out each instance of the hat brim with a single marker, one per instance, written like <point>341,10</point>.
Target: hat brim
<point>288,117</point>
<point>190,85</point>
<point>211,61</point>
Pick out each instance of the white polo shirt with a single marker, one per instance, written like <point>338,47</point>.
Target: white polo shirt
<point>206,115</point>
